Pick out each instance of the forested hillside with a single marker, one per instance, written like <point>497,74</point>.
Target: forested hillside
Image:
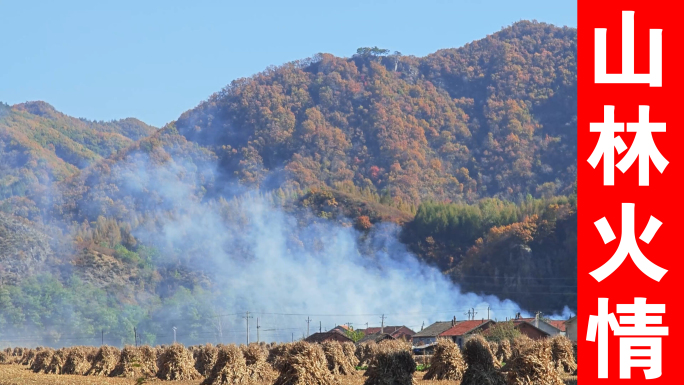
<point>471,151</point>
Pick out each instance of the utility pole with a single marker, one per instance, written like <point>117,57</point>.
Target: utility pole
<point>474,312</point>
<point>292,336</point>
<point>247,317</point>
<point>258,327</point>
<point>468,314</point>
<point>102,338</point>
<point>308,321</point>
<point>135,336</point>
<point>320,326</point>
<point>382,324</point>
<point>349,325</point>
<point>174,334</point>
<point>487,312</point>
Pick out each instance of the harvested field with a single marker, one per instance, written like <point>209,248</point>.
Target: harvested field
<point>21,375</point>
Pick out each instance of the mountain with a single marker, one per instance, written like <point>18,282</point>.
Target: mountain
<point>467,156</point>
<point>39,145</point>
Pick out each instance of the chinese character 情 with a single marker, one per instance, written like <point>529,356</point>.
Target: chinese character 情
<point>642,335</point>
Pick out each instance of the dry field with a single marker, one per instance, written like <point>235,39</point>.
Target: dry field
<point>522,362</point>
<point>21,375</point>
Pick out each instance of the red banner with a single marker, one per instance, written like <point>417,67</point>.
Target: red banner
<point>629,168</point>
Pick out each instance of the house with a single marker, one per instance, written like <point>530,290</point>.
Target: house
<point>430,333</point>
<point>461,329</point>
<point>571,329</point>
<point>397,332</point>
<point>551,327</point>
<point>528,329</point>
<point>328,336</point>
<point>341,328</point>
<point>376,337</point>
<point>454,330</point>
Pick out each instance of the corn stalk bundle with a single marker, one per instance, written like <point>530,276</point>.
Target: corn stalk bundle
<point>136,362</point>
<point>338,363</point>
<point>104,362</point>
<point>275,352</point>
<point>260,371</point>
<point>57,362</point>
<point>350,351</point>
<point>447,362</point>
<point>563,354</point>
<point>176,363</point>
<point>503,351</point>
<point>482,366</point>
<point>77,360</point>
<point>531,364</point>
<point>18,354</point>
<point>205,358</point>
<point>391,366</point>
<point>230,368</point>
<point>366,351</point>
<point>29,357</point>
<point>5,358</point>
<point>395,345</point>
<point>302,363</point>
<point>42,360</point>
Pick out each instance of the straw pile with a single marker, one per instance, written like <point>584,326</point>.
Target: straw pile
<point>503,351</point>
<point>350,351</point>
<point>78,360</point>
<point>18,354</point>
<point>136,362</point>
<point>176,363</point>
<point>395,345</point>
<point>391,365</point>
<point>338,363</point>
<point>562,354</point>
<point>105,361</point>
<point>5,358</point>
<point>42,360</point>
<point>205,358</point>
<point>447,362</point>
<point>57,362</point>
<point>260,371</point>
<point>230,368</point>
<point>302,363</point>
<point>365,352</point>
<point>531,364</point>
<point>482,366</point>
<point>29,357</point>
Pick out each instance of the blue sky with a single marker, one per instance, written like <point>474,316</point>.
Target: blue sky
<point>155,59</point>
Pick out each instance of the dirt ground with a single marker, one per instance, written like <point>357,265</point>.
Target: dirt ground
<point>21,375</point>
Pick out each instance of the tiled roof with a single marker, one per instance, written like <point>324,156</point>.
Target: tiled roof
<point>389,330</point>
<point>463,327</point>
<point>435,329</point>
<point>327,336</point>
<point>376,337</point>
<point>558,324</point>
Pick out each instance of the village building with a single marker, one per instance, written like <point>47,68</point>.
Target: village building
<point>528,329</point>
<point>430,334</point>
<point>332,335</point>
<point>571,329</point>
<point>551,327</point>
<point>397,332</point>
<point>375,337</point>
<point>462,329</point>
